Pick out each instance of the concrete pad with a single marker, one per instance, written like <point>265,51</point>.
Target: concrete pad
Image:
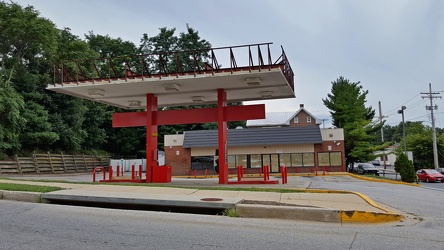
<point>260,196</point>
<point>217,193</point>
<point>166,190</point>
<point>139,199</point>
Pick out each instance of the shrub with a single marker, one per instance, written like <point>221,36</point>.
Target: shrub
<point>405,168</point>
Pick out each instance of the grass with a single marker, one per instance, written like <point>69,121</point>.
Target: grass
<point>231,212</point>
<point>252,189</point>
<point>27,188</point>
<point>30,188</point>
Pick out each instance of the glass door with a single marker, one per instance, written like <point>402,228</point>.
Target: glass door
<point>272,161</point>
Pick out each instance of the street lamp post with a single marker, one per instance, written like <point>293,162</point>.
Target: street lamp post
<point>401,111</point>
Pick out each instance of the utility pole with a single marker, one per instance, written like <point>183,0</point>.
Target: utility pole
<point>382,133</point>
<point>432,95</point>
<point>401,111</point>
<point>380,120</point>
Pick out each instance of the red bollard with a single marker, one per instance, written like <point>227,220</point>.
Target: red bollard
<point>239,173</point>
<point>195,173</point>
<point>206,173</point>
<point>118,171</point>
<point>316,170</point>
<point>189,172</point>
<point>133,168</point>
<point>95,170</point>
<point>110,172</point>
<point>123,171</point>
<point>266,173</point>
<point>260,171</point>
<point>140,171</point>
<point>284,174</point>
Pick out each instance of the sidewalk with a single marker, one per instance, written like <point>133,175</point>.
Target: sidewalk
<point>303,204</point>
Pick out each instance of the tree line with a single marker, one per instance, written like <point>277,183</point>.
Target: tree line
<point>34,119</point>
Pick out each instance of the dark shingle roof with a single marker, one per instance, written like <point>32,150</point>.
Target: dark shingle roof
<point>257,136</point>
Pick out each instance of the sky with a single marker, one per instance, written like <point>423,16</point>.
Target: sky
<point>393,48</point>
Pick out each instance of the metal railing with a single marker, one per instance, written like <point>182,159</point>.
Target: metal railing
<point>167,64</point>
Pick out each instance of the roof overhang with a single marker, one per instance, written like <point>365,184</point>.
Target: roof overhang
<point>182,89</point>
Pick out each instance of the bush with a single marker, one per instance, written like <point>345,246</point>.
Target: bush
<point>405,168</point>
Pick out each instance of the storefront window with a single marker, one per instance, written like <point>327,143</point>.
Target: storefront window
<point>232,161</point>
<point>335,159</point>
<point>296,160</point>
<point>324,159</point>
<point>255,161</point>
<point>285,159</point>
<point>202,162</point>
<point>329,159</point>
<point>308,159</point>
<point>241,160</point>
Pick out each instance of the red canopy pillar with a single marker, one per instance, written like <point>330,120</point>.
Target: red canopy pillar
<point>222,135</point>
<point>151,136</point>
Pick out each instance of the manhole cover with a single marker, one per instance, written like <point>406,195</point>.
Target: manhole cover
<point>211,199</point>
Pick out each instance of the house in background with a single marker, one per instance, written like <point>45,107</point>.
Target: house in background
<point>293,139</point>
<point>285,119</point>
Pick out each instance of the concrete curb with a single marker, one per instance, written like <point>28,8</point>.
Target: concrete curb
<point>314,214</point>
<point>383,180</point>
<point>368,217</point>
<point>21,196</point>
<point>288,212</point>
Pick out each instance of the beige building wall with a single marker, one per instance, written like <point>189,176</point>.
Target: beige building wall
<point>332,134</point>
<point>265,149</point>
<point>173,140</point>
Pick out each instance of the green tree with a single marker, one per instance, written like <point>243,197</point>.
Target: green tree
<point>27,41</point>
<point>419,141</point>
<point>12,122</point>
<point>346,103</point>
<point>98,116</point>
<point>67,114</point>
<point>23,35</point>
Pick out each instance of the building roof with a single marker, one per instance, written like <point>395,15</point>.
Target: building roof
<point>279,118</point>
<point>257,136</point>
<point>272,119</point>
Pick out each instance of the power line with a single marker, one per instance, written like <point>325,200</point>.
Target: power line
<point>396,109</point>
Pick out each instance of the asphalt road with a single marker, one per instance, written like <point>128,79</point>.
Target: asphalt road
<point>423,202</point>
<point>45,226</point>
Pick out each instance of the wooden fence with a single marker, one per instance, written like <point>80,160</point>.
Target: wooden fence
<point>53,163</point>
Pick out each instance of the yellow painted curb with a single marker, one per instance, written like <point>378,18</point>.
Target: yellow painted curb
<point>368,217</point>
<point>383,180</point>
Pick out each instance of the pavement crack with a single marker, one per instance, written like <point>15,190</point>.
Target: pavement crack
<point>195,191</point>
<point>353,241</point>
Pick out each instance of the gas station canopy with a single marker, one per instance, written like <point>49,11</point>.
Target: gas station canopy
<point>178,78</point>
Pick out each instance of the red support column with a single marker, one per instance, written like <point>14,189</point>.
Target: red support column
<point>222,135</point>
<point>151,136</point>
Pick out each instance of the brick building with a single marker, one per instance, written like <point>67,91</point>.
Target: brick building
<point>293,139</point>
